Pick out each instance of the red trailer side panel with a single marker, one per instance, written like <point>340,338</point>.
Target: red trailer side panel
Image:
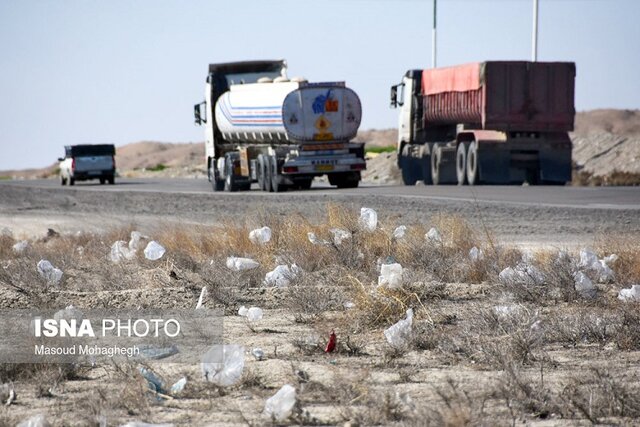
<point>502,95</point>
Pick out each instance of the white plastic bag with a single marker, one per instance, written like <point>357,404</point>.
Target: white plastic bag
<point>476,254</point>
<point>368,220</point>
<point>68,313</point>
<point>631,294</point>
<point>120,251</point>
<point>433,236</point>
<point>254,314</point>
<point>143,424</point>
<point>522,274</point>
<point>260,236</point>
<point>589,261</point>
<point>48,272</point>
<point>399,232</point>
<point>134,242</point>
<point>281,276</point>
<point>339,235</point>
<point>223,364</point>
<point>390,276</point>
<point>178,386</point>
<point>20,247</point>
<point>241,264</point>
<point>258,353</point>
<point>154,251</point>
<point>584,285</point>
<point>36,421</point>
<point>280,406</point>
<point>399,334</point>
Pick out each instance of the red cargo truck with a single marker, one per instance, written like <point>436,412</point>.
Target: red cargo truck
<point>496,122</point>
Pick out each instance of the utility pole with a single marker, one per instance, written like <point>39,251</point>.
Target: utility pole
<point>433,33</point>
<point>534,35</point>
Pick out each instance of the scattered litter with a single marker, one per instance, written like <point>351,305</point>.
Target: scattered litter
<point>339,235</point>
<point>241,264</point>
<point>368,220</point>
<point>331,345</point>
<point>476,254</point>
<point>242,311</point>
<point>7,394</point>
<point>203,295</point>
<point>399,333</point>
<point>433,236</point>
<point>178,386</point>
<point>157,353</point>
<point>584,285</point>
<point>589,261</point>
<point>48,272</point>
<point>303,376</point>
<point>254,314</point>
<point>258,353</point>
<point>223,364</point>
<point>348,305</point>
<point>280,406</point>
<point>154,251</point>
<point>315,240</point>
<point>522,274</point>
<point>390,276</point>
<point>120,251</point>
<point>69,313</point>
<point>134,242</point>
<point>154,382</point>
<point>143,424</point>
<point>20,247</point>
<point>281,276</point>
<point>631,294</point>
<point>506,310</point>
<point>399,232</point>
<point>260,236</point>
<point>36,421</point>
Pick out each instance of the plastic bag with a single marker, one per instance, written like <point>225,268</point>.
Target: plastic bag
<point>68,313</point>
<point>281,276</point>
<point>258,353</point>
<point>390,276</point>
<point>260,236</point>
<point>315,240</point>
<point>242,311</point>
<point>589,261</point>
<point>154,381</point>
<point>120,251</point>
<point>134,242</point>
<point>399,334</point>
<point>279,407</point>
<point>48,272</point>
<point>203,295</point>
<point>36,421</point>
<point>476,254</point>
<point>178,386</point>
<point>584,285</point>
<point>433,236</point>
<point>522,274</point>
<point>368,220</point>
<point>241,264</point>
<point>223,364</point>
<point>154,251</point>
<point>339,235</point>
<point>631,294</point>
<point>399,232</point>
<point>20,247</point>
<point>254,314</point>
<point>143,424</point>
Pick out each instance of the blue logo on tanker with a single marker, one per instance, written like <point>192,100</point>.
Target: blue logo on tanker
<point>325,103</point>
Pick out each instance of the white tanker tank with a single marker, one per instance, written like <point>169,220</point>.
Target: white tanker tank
<point>262,127</point>
<point>288,112</point>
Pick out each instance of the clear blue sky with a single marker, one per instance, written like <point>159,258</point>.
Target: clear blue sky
<point>123,71</point>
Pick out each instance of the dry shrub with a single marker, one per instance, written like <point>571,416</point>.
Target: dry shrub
<point>308,298</point>
<point>454,406</point>
<point>627,247</point>
<point>581,325</point>
<point>6,245</point>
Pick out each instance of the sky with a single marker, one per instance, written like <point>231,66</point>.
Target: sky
<point>119,71</point>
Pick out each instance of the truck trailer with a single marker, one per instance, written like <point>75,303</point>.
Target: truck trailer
<point>261,126</point>
<point>495,122</point>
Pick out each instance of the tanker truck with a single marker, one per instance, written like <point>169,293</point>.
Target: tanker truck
<point>261,126</point>
<point>496,122</point>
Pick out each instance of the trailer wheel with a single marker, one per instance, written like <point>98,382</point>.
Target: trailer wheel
<point>72,181</point>
<point>276,186</point>
<point>472,164</point>
<point>442,172</point>
<point>262,172</point>
<point>111,179</point>
<point>230,183</point>
<point>102,181</point>
<point>461,163</point>
<point>408,166</point>
<point>425,164</point>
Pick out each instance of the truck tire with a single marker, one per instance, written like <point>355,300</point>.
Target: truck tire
<point>72,181</point>
<point>409,167</point>
<point>345,180</point>
<point>63,180</point>
<point>276,186</point>
<point>230,183</point>
<point>111,179</point>
<point>425,164</point>
<point>441,172</point>
<point>473,177</point>
<point>102,181</point>
<point>262,172</point>
<point>461,163</point>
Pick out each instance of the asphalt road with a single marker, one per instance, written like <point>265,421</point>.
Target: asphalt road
<point>559,216</point>
<point>574,197</point>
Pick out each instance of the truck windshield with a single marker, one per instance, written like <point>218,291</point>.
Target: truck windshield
<point>244,78</point>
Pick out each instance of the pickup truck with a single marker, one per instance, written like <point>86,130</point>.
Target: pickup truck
<point>85,162</point>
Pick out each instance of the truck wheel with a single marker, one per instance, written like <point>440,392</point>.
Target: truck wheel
<point>276,186</point>
<point>461,163</point>
<point>112,180</point>
<point>473,176</point>
<point>230,183</point>
<point>71,181</point>
<point>425,164</point>
<point>63,180</point>
<point>102,181</point>
<point>262,172</point>
<point>409,167</point>
<point>442,172</point>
